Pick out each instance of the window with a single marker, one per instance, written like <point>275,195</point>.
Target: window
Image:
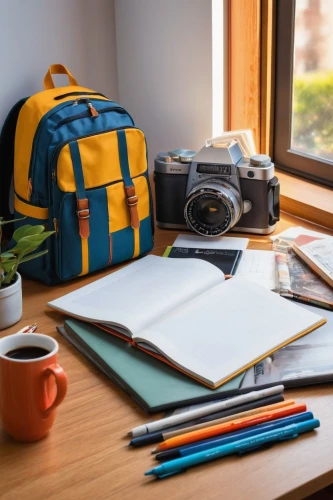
<point>303,129</point>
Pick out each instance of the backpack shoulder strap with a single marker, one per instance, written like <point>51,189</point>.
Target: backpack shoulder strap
<point>7,139</point>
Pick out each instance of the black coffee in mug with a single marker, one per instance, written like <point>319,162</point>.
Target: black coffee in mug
<point>27,352</point>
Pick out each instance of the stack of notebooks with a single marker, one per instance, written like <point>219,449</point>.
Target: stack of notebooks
<point>174,331</point>
<point>153,385</point>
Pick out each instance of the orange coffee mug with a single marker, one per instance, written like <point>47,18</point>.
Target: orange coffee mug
<point>32,385</point>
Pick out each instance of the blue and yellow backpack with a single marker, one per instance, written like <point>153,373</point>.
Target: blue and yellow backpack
<point>80,167</point>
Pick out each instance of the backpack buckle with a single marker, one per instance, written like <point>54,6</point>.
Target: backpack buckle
<point>83,215</point>
<point>132,201</point>
<point>80,213</point>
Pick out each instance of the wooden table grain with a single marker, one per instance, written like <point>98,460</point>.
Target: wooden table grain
<point>86,454</point>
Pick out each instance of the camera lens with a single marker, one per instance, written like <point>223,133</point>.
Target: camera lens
<point>213,207</point>
<point>209,212</point>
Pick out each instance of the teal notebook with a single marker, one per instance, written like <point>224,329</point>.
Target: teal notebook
<point>154,385</point>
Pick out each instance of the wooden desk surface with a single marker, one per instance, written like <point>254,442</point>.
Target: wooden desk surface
<point>86,453</point>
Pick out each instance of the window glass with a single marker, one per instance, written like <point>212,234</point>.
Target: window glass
<point>312,109</point>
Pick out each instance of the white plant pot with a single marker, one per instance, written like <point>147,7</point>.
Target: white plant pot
<point>11,303</point>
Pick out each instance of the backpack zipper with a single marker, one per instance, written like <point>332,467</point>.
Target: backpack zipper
<point>92,110</point>
<point>56,226</point>
<point>85,114</point>
<point>62,96</point>
<point>89,105</point>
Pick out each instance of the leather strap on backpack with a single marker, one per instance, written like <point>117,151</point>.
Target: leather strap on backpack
<point>131,197</point>
<point>82,212</point>
<point>132,202</point>
<point>83,215</point>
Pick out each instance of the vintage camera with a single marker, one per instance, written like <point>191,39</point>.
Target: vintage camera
<point>215,190</point>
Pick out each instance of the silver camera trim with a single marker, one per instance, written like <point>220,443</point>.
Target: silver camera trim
<point>254,230</point>
<point>175,167</point>
<point>217,188</point>
<point>259,173</point>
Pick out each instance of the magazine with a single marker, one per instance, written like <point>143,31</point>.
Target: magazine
<point>297,281</point>
<point>306,361</point>
<point>317,253</point>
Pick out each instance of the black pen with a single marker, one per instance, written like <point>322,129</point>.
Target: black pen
<point>159,436</point>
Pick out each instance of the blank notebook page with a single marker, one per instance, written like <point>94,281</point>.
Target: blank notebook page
<point>227,328</point>
<point>141,292</point>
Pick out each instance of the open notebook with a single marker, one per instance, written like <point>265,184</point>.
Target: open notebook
<point>183,312</point>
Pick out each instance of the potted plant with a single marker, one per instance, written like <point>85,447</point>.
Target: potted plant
<point>26,239</point>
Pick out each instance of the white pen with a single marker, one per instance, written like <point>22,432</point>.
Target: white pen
<point>163,423</point>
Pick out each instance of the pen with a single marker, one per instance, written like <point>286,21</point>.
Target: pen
<point>241,446</point>
<point>206,444</point>
<point>28,329</point>
<point>204,425</point>
<point>271,402</point>
<point>206,410</point>
<point>235,425</point>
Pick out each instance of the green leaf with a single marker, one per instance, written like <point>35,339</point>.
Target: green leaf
<point>6,255</point>
<point>3,222</point>
<point>11,259</point>
<point>36,230</point>
<point>38,237</point>
<point>30,243</point>
<point>21,232</point>
<point>25,246</point>
<point>33,256</point>
<point>9,265</point>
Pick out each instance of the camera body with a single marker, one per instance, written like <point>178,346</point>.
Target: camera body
<point>215,190</point>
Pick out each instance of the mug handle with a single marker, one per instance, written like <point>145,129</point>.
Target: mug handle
<point>61,381</point>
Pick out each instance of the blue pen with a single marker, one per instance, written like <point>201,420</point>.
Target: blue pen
<point>241,446</point>
<point>206,444</point>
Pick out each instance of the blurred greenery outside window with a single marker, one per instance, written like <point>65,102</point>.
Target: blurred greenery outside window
<point>313,114</point>
<point>312,124</point>
<point>303,103</point>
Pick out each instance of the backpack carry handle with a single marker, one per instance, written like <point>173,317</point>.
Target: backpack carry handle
<point>57,69</point>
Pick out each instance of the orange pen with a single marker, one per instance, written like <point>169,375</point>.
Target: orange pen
<point>190,428</point>
<point>235,425</point>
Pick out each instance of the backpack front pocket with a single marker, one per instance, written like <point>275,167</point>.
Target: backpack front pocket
<point>76,256</point>
<point>104,225</point>
<point>101,158</point>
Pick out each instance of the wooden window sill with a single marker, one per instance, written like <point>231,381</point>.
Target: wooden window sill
<point>306,199</point>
